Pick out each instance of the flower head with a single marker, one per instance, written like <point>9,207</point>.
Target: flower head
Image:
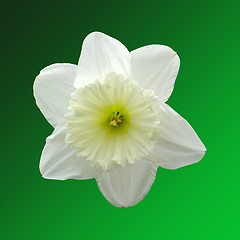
<point>111,121</point>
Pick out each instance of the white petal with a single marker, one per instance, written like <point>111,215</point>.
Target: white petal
<point>52,90</point>
<point>177,144</point>
<point>155,67</point>
<point>125,187</point>
<point>60,161</point>
<point>101,55</point>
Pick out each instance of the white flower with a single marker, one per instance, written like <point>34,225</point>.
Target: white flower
<point>111,121</point>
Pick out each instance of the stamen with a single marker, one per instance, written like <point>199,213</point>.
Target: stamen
<point>115,119</point>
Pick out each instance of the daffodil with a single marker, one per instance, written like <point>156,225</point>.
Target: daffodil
<point>111,121</point>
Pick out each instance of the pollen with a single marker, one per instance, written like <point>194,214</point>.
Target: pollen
<point>116,119</point>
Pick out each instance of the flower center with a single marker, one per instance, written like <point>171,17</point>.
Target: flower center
<point>112,123</point>
<point>116,119</point>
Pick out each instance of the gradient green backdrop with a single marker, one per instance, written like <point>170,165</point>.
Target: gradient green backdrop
<point>200,201</point>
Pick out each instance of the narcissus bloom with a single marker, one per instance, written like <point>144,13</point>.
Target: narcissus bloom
<point>110,118</point>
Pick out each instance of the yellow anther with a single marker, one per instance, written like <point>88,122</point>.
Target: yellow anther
<point>115,119</point>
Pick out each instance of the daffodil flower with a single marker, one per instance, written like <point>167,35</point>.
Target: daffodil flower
<point>111,121</point>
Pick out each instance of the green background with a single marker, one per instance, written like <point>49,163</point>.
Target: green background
<point>200,201</point>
